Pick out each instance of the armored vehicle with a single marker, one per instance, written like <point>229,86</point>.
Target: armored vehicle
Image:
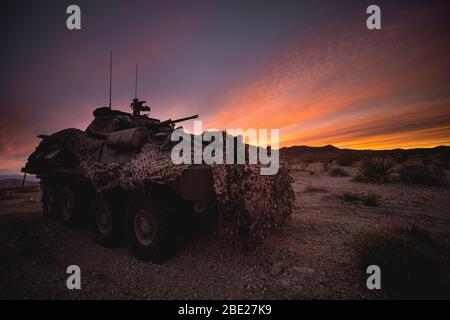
<point>118,174</point>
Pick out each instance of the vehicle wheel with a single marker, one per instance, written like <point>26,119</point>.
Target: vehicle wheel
<point>70,213</point>
<point>109,222</point>
<point>50,201</point>
<point>150,234</point>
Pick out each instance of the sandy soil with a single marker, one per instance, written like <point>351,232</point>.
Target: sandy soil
<point>307,259</point>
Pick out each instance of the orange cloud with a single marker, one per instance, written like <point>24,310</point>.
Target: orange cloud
<point>356,91</point>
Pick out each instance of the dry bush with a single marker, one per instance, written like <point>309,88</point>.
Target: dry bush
<point>422,174</point>
<point>413,264</point>
<point>304,164</point>
<point>6,195</point>
<point>346,160</point>
<point>15,192</point>
<point>426,160</point>
<point>326,164</point>
<point>400,158</point>
<point>369,199</point>
<point>375,170</point>
<point>444,160</point>
<point>310,188</point>
<point>338,172</point>
<point>27,189</point>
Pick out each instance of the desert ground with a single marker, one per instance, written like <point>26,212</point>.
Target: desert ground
<point>309,258</point>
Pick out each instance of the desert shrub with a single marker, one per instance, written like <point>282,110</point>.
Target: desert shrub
<point>421,174</point>
<point>326,164</point>
<point>6,195</point>
<point>413,265</point>
<point>443,165</point>
<point>370,199</point>
<point>426,160</point>
<point>444,159</point>
<point>304,164</point>
<point>17,192</point>
<point>346,159</point>
<point>350,196</point>
<point>400,158</point>
<point>27,189</point>
<point>375,170</point>
<point>310,188</point>
<point>358,178</point>
<point>338,172</point>
<point>438,170</point>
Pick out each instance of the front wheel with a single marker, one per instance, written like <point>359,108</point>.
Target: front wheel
<point>150,234</point>
<point>109,222</point>
<point>70,205</point>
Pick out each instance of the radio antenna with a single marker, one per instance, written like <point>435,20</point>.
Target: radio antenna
<point>136,81</point>
<point>110,77</point>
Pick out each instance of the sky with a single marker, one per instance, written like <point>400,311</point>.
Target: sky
<point>309,68</point>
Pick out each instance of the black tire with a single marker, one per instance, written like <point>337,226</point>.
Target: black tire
<point>50,199</point>
<point>70,205</point>
<point>109,221</point>
<point>151,237</point>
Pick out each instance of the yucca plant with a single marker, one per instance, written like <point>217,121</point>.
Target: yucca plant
<point>376,170</point>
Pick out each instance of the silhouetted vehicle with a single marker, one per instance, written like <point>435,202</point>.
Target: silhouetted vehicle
<point>118,173</point>
<point>73,164</point>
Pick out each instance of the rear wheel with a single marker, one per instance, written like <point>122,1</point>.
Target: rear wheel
<point>109,222</point>
<point>150,233</point>
<point>50,200</point>
<point>70,206</point>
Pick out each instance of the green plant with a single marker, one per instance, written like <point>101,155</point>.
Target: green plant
<point>371,199</point>
<point>413,265</point>
<point>375,170</point>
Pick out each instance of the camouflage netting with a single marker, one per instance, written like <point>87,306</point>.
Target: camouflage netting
<point>254,203</point>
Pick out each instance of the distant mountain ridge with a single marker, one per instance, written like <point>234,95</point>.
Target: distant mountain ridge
<point>328,151</point>
<point>291,153</point>
<point>15,180</point>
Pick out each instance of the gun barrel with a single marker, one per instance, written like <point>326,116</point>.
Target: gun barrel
<point>169,121</point>
<point>184,119</point>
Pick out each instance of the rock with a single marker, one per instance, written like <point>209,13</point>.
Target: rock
<point>285,283</point>
<point>276,269</point>
<point>304,270</point>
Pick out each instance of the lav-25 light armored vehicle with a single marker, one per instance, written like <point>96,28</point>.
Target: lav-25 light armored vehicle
<point>118,173</point>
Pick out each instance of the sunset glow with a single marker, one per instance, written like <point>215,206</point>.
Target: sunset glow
<point>311,69</point>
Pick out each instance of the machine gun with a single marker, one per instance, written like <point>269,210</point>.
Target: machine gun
<point>138,106</point>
